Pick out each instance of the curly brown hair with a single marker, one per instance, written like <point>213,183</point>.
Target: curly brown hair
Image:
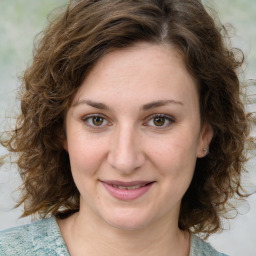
<point>72,44</point>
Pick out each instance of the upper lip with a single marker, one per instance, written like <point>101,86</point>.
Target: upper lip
<point>127,184</point>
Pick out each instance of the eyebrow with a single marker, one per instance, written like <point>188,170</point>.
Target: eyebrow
<point>160,103</point>
<point>93,104</point>
<point>148,106</point>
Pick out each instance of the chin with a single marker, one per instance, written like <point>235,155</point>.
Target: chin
<point>122,221</point>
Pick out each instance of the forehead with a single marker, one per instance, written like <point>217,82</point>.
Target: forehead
<point>145,54</point>
<point>145,69</point>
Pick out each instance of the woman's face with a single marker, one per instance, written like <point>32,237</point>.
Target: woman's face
<point>133,137</point>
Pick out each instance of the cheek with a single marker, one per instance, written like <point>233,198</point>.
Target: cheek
<point>175,155</point>
<point>86,154</point>
<point>85,160</point>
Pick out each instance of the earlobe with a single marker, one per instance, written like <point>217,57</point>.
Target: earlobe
<point>205,139</point>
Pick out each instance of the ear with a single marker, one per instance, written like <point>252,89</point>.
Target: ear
<point>205,139</point>
<point>64,141</point>
<point>65,144</point>
<point>63,137</point>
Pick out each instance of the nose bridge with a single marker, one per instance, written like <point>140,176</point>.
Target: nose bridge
<point>125,151</point>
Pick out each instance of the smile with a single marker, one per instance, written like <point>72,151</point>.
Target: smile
<point>129,188</point>
<point>127,191</point>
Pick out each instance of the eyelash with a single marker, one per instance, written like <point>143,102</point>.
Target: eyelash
<point>91,125</point>
<point>166,118</point>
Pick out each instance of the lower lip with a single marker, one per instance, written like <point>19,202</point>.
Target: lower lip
<point>127,194</point>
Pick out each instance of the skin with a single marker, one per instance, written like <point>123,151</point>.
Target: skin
<point>125,90</point>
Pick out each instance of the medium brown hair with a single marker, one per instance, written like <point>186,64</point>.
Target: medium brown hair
<point>73,42</point>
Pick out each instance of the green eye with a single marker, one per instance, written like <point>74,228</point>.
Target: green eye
<point>97,120</point>
<point>159,121</point>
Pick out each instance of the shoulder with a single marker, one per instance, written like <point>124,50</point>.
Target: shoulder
<point>39,238</point>
<point>202,248</point>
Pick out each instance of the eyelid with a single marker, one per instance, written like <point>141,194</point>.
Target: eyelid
<point>87,117</point>
<point>169,118</point>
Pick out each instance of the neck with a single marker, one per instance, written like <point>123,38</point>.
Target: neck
<point>90,237</point>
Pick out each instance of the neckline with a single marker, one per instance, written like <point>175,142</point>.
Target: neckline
<point>193,238</point>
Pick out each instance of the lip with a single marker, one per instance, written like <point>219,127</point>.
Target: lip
<point>127,194</point>
<point>127,184</point>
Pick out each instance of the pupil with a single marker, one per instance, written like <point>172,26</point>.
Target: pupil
<point>97,120</point>
<point>159,121</point>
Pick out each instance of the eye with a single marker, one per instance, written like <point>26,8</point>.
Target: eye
<point>95,121</point>
<point>160,120</point>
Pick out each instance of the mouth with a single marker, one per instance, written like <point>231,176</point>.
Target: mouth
<point>129,188</point>
<point>127,191</point>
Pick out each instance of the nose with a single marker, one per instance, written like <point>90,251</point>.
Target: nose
<point>126,154</point>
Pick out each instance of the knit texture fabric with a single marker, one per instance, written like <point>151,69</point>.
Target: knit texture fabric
<point>43,238</point>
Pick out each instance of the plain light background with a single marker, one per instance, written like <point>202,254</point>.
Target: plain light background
<point>21,20</point>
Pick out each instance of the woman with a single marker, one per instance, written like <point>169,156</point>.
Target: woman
<point>132,134</point>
